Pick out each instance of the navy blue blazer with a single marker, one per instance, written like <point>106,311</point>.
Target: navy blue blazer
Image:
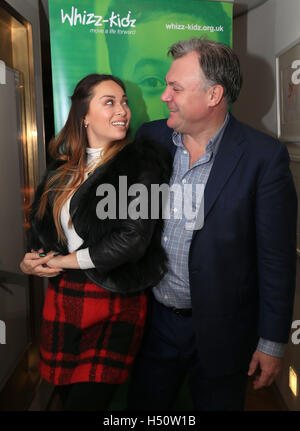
<point>242,263</point>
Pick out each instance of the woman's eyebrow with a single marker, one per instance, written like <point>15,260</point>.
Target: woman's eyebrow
<point>111,95</point>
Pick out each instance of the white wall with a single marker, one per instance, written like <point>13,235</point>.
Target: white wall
<point>258,37</point>
<point>29,9</point>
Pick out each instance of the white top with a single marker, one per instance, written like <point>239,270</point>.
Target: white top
<point>74,241</point>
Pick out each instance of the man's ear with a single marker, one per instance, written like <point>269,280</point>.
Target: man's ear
<point>215,95</point>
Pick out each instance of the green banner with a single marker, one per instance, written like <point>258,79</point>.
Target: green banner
<point>130,39</point>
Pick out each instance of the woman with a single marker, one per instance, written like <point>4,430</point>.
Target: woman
<point>99,267</point>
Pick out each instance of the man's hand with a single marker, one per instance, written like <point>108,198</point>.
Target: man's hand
<point>269,368</point>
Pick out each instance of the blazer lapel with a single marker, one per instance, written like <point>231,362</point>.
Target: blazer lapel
<point>166,139</point>
<point>229,153</point>
<point>171,146</point>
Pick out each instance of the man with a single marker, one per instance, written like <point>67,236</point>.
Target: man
<point>143,66</point>
<point>223,311</point>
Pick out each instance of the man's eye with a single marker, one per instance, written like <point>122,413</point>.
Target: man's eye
<point>152,83</point>
<point>109,102</point>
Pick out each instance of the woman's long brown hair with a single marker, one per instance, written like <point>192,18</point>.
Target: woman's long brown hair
<point>70,146</point>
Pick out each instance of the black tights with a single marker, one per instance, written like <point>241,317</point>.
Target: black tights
<point>86,396</point>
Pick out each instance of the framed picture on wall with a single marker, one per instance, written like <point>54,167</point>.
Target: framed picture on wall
<point>288,93</point>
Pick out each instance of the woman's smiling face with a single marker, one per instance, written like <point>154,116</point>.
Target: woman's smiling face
<point>108,116</point>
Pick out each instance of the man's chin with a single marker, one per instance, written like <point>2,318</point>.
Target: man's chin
<point>171,123</point>
<point>174,125</point>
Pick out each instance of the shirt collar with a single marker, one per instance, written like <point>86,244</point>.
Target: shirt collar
<point>213,143</point>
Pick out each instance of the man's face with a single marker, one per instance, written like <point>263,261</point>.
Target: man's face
<point>186,95</point>
<point>142,63</point>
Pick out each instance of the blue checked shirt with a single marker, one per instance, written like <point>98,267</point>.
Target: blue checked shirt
<point>174,289</point>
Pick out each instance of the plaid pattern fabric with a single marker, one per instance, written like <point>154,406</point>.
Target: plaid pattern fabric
<point>88,333</point>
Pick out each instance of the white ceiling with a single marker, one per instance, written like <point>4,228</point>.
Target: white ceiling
<point>242,6</point>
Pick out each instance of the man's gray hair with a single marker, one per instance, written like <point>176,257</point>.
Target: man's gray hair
<point>220,65</point>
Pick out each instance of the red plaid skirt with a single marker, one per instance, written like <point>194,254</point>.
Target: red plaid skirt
<point>88,333</point>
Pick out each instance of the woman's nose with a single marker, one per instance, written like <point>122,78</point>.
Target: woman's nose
<point>121,110</point>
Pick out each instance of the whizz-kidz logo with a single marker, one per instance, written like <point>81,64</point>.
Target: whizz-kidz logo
<point>84,18</point>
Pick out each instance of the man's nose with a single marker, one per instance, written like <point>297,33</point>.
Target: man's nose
<point>166,96</point>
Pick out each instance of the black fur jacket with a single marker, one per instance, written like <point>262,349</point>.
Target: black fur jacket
<point>127,252</point>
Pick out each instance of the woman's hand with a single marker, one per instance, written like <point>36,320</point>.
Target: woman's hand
<point>33,264</point>
<point>67,261</point>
